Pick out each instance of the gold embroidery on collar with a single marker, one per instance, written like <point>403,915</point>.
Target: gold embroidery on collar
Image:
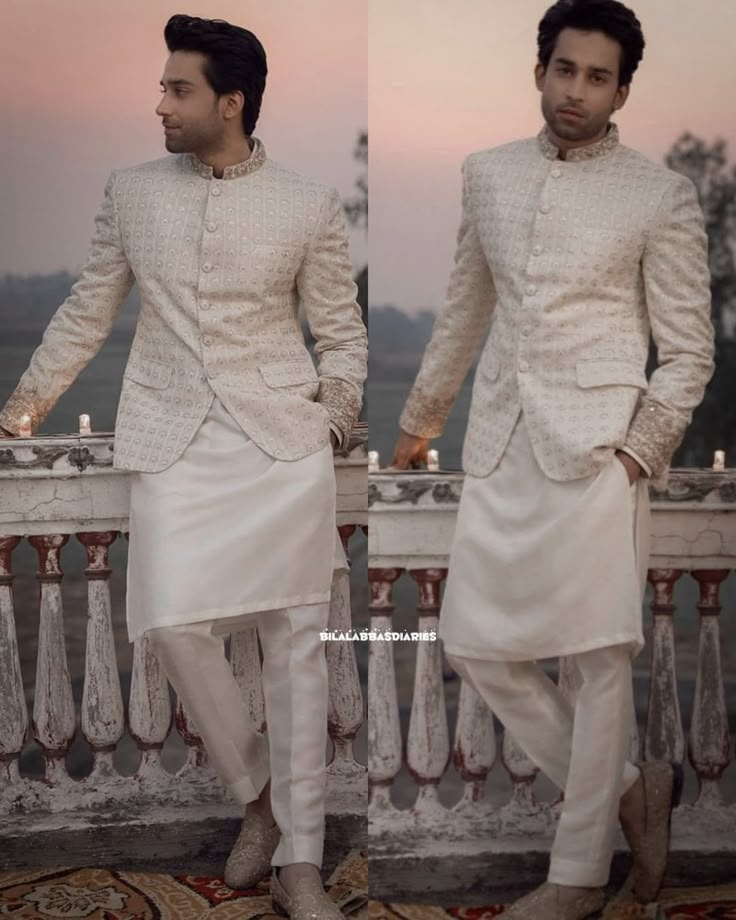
<point>602,147</point>
<point>256,159</point>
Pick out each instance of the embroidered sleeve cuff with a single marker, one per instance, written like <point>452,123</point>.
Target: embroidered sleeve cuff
<point>342,401</point>
<point>20,404</point>
<point>424,415</point>
<point>654,435</point>
<point>642,463</point>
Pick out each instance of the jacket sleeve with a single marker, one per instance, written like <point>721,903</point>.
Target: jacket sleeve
<point>677,288</point>
<point>458,332</point>
<point>327,291</point>
<point>78,329</point>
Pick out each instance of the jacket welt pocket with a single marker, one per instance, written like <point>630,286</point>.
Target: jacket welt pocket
<point>149,373</point>
<point>288,373</point>
<point>603,372</point>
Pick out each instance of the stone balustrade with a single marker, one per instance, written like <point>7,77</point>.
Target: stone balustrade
<point>480,844</point>
<point>53,490</point>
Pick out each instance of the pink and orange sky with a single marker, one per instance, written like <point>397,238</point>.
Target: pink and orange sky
<point>80,83</point>
<point>435,79</point>
<point>450,76</point>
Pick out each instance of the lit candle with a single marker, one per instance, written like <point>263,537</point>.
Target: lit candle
<point>85,426</point>
<point>719,460</point>
<point>374,461</point>
<point>26,430</point>
<point>433,461</point>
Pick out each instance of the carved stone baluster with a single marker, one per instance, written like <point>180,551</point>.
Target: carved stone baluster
<point>103,716</point>
<point>246,664</point>
<point>474,749</point>
<point>13,712</point>
<point>428,742</point>
<point>197,760</point>
<point>664,738</point>
<point>345,706</point>
<point>149,710</point>
<point>522,772</point>
<point>54,720</point>
<point>709,743</point>
<point>384,728</point>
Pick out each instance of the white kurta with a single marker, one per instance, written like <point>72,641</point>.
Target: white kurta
<point>227,530</point>
<point>541,568</point>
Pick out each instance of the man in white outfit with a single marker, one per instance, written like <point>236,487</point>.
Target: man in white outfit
<point>227,429</point>
<point>572,250</point>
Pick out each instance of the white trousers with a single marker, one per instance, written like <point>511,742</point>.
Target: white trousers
<point>295,696</point>
<point>582,749</point>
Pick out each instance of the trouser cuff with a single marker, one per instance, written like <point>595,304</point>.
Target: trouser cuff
<point>248,788</point>
<point>307,849</point>
<point>579,874</point>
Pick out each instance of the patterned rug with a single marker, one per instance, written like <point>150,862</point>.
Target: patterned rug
<point>717,903</point>
<point>105,894</point>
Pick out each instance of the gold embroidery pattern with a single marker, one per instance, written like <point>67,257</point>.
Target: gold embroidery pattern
<point>256,159</point>
<point>601,148</point>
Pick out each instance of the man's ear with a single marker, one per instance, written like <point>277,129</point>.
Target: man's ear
<point>619,100</point>
<point>231,104</point>
<point>539,74</point>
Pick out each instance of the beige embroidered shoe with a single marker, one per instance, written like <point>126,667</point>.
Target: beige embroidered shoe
<point>648,832</point>
<point>557,902</point>
<point>250,858</point>
<point>308,902</point>
<point>625,907</point>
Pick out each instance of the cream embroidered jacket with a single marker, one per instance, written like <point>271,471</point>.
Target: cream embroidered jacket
<point>571,263</point>
<point>222,265</point>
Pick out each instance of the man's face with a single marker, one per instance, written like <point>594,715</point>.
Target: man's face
<point>580,86</point>
<point>189,108</point>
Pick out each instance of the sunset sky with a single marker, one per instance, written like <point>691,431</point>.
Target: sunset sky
<point>80,84</point>
<point>450,76</point>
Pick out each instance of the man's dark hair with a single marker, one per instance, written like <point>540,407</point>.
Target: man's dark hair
<point>235,59</point>
<point>610,17</point>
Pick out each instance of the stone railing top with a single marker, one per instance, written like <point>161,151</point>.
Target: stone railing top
<point>67,483</point>
<point>440,489</point>
<point>71,454</point>
<point>413,516</point>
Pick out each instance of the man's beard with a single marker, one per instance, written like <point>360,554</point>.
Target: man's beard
<point>580,130</point>
<point>191,140</point>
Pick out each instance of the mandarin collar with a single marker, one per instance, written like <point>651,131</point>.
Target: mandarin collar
<point>601,148</point>
<point>256,159</point>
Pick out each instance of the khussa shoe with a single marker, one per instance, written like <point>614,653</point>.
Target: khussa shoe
<point>648,836</point>
<point>250,858</point>
<point>626,907</point>
<point>308,902</point>
<point>557,902</point>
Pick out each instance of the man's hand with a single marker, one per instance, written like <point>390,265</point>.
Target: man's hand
<point>633,470</point>
<point>409,451</point>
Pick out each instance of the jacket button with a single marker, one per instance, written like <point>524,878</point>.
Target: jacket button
<point>544,208</point>
<point>206,340</point>
<point>556,172</point>
<point>207,267</point>
<point>537,250</point>
<point>211,227</point>
<point>204,306</point>
<point>530,289</point>
<point>526,330</point>
<point>216,190</point>
<point>523,367</point>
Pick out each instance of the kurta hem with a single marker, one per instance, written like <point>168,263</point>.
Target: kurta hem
<point>541,654</point>
<point>217,613</point>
